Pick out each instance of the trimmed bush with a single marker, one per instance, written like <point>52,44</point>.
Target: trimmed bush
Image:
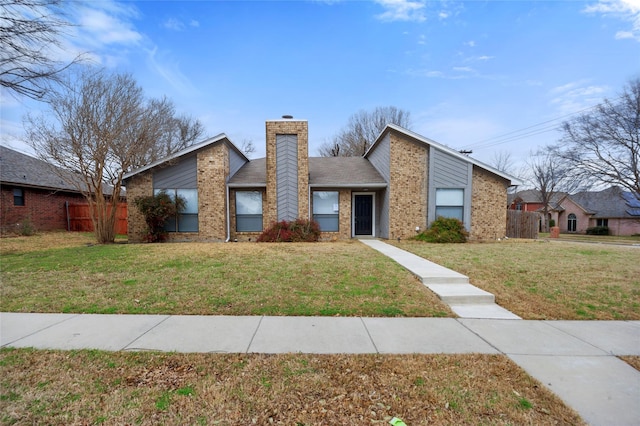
<point>598,230</point>
<point>156,209</point>
<point>299,230</point>
<point>444,230</point>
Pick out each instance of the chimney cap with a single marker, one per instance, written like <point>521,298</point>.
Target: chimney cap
<point>287,117</point>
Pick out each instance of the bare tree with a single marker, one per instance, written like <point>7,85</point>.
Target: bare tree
<point>362,130</point>
<point>247,147</point>
<point>501,160</point>
<point>603,146</point>
<point>551,177</point>
<point>100,128</point>
<point>30,32</point>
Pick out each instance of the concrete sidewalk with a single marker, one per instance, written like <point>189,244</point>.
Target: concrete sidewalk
<point>574,359</point>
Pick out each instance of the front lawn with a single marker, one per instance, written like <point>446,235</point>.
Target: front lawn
<point>94,387</point>
<point>547,280</point>
<point>64,272</point>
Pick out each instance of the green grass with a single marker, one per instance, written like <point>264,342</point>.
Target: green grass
<point>543,280</point>
<point>330,279</point>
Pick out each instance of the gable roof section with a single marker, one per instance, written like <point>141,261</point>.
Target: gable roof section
<point>23,170</point>
<point>193,148</point>
<point>351,172</point>
<point>513,181</point>
<point>329,172</point>
<point>611,202</point>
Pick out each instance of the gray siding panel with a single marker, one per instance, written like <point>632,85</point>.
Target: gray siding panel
<point>447,171</point>
<point>380,158</point>
<point>287,176</point>
<point>181,175</point>
<point>235,162</point>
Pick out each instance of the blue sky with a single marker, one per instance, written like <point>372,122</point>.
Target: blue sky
<point>468,72</point>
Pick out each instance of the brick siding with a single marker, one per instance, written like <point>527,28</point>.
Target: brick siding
<point>488,206</point>
<point>408,187</point>
<point>43,210</point>
<point>140,185</point>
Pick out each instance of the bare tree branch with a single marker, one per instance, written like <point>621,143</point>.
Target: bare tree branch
<point>362,130</point>
<point>30,32</point>
<point>101,127</point>
<point>604,146</point>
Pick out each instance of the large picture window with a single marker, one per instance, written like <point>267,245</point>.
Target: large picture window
<point>326,210</point>
<point>450,203</point>
<point>249,211</point>
<point>187,219</point>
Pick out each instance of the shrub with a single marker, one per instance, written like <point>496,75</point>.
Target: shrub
<point>598,230</point>
<point>299,230</point>
<point>156,209</point>
<point>444,230</point>
<point>552,223</point>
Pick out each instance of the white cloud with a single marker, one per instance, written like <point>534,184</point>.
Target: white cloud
<point>193,23</point>
<point>463,69</point>
<point>625,10</point>
<point>576,96</point>
<point>104,23</point>
<point>402,10</point>
<point>470,43</point>
<point>173,24</point>
<point>170,72</point>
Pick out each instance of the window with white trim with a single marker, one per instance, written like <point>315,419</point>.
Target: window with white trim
<point>450,203</point>
<point>18,197</point>
<point>248,211</point>
<point>326,210</point>
<point>187,219</point>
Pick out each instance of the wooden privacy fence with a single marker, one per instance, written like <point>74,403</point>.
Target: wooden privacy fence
<point>521,224</point>
<point>79,219</point>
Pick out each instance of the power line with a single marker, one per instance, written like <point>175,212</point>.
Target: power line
<point>535,129</point>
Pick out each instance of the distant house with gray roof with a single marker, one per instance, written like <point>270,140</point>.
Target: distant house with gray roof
<point>401,185</point>
<point>33,191</point>
<point>612,207</point>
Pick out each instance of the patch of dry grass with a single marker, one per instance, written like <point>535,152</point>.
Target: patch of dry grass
<point>543,280</point>
<point>632,360</point>
<point>64,272</point>
<point>92,387</point>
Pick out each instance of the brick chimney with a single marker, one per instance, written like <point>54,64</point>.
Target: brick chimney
<point>287,195</point>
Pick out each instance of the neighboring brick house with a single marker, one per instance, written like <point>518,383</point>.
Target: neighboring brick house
<point>397,188</point>
<point>612,207</point>
<point>32,193</point>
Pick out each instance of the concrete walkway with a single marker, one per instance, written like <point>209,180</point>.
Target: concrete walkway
<point>453,288</point>
<point>575,359</point>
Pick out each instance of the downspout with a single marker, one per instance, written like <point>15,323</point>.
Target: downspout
<point>228,218</point>
<point>66,206</point>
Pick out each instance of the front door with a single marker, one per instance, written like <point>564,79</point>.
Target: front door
<point>363,214</point>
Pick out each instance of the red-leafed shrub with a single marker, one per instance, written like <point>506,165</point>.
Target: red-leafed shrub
<point>299,230</point>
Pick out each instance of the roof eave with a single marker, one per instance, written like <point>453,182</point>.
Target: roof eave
<point>513,181</point>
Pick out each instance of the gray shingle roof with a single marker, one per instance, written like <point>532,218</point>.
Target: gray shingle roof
<point>343,171</point>
<point>23,170</point>
<point>610,202</point>
<point>323,171</point>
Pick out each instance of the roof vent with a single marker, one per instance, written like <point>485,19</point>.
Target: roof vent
<point>287,117</point>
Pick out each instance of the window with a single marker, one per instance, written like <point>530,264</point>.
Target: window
<point>572,223</point>
<point>187,220</point>
<point>18,197</point>
<point>248,211</point>
<point>602,222</point>
<point>450,203</point>
<point>326,210</point>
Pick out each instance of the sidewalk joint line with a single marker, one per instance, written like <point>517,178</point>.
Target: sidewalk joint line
<point>71,316</point>
<point>254,334</point>
<point>369,334</point>
<point>143,334</point>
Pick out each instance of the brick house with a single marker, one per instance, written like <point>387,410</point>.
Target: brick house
<point>398,187</point>
<point>32,192</point>
<point>612,207</point>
